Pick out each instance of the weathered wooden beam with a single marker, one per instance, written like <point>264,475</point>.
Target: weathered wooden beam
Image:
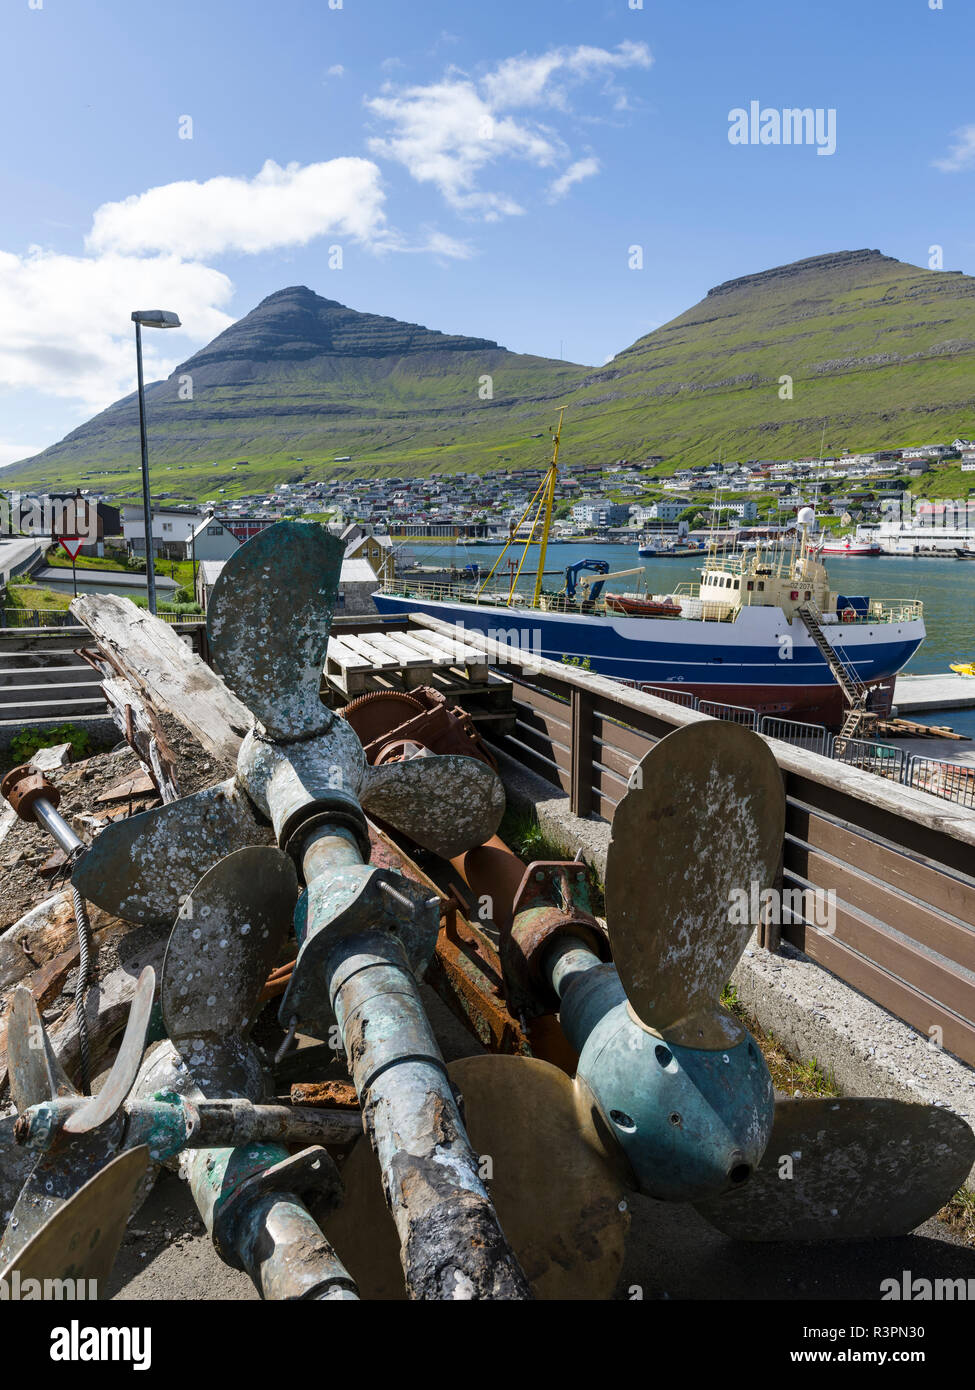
<point>163,669</point>
<point>139,724</point>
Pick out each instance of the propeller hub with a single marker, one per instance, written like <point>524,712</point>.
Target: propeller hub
<point>690,1121</point>
<point>289,782</point>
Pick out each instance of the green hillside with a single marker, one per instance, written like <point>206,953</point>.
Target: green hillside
<point>882,350</point>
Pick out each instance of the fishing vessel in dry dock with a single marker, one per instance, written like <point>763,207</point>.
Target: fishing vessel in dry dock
<point>761,629</point>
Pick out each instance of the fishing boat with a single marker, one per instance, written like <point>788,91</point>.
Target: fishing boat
<point>849,546</point>
<point>752,632</point>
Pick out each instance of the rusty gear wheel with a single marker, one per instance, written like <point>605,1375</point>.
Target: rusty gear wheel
<point>380,712</point>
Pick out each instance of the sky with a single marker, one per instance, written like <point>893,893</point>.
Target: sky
<point>561,176</point>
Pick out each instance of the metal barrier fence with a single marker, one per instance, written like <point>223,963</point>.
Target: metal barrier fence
<point>36,617</point>
<point>951,781</point>
<point>676,697</point>
<point>816,738</point>
<point>879,758</point>
<point>733,714</point>
<point>12,618</point>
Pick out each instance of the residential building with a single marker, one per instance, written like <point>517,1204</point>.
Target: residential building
<point>172,527</point>
<point>211,540</point>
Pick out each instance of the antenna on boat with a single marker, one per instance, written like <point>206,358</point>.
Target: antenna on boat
<point>548,500</point>
<point>542,502</point>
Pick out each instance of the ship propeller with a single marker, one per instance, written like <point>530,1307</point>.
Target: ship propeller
<point>695,842</point>
<point>698,833</point>
<point>522,1115</point>
<point>90,1135</point>
<point>268,622</point>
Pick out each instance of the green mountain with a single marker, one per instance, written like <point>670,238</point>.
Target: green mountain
<point>881,350</point>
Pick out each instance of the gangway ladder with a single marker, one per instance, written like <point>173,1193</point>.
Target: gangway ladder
<point>844,673</point>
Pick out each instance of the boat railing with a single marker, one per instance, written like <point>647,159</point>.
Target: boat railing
<point>903,610</point>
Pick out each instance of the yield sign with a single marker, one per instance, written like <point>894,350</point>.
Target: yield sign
<point>72,544</point>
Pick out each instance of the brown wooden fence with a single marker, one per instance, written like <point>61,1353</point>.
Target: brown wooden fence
<point>897,865</point>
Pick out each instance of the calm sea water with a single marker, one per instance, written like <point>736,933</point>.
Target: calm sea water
<point>946,588</point>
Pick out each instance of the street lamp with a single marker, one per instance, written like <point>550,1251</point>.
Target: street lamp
<point>150,318</point>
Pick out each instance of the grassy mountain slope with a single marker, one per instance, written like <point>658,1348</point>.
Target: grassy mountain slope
<point>882,350</point>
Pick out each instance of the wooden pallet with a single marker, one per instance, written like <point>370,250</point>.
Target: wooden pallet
<point>354,663</point>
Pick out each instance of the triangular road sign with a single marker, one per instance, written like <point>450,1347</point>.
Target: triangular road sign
<point>72,544</point>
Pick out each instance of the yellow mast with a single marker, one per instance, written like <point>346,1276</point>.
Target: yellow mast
<point>553,474</point>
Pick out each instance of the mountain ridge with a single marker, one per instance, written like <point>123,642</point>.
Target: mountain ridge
<point>881,349</point>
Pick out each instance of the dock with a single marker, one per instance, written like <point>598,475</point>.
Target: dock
<point>915,694</point>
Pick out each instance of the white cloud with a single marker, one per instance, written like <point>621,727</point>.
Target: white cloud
<point>445,134</point>
<point>448,132</point>
<point>13,453</point>
<point>287,206</point>
<point>542,80</point>
<point>336,70</point>
<point>961,154</point>
<point>581,169</point>
<point>66,325</point>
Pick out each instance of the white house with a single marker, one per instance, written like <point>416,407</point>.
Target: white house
<point>172,527</point>
<point>207,574</point>
<point>211,540</point>
<point>357,584</point>
<point>667,511</point>
<point>746,510</point>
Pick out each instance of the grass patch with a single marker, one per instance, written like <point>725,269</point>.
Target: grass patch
<point>31,596</point>
<point>788,1075</point>
<point>522,833</point>
<point>959,1215</point>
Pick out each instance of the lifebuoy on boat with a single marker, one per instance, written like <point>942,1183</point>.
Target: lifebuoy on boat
<point>849,615</point>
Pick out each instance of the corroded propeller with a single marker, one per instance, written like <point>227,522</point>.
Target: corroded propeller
<point>91,1134</point>
<point>558,1198</point>
<point>849,1168</point>
<point>701,825</point>
<point>268,622</point>
<point>224,944</point>
<point>698,836</point>
<point>81,1239</point>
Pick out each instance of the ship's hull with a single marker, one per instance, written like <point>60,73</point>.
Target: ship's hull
<point>760,661</point>
<point>851,550</point>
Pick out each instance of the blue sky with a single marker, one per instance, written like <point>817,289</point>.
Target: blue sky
<point>484,168</point>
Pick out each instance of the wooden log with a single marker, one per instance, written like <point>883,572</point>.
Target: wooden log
<point>39,935</point>
<point>165,672</point>
<point>140,726</point>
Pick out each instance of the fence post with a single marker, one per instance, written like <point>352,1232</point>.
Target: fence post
<point>580,765</point>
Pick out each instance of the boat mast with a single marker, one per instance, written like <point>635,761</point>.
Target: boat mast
<point>553,474</point>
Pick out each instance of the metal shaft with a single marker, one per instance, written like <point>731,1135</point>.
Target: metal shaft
<point>451,1242</point>
<point>169,1126</point>
<point>54,823</point>
<point>271,1234</point>
<point>287,1255</point>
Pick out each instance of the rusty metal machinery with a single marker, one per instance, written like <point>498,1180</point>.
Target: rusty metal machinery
<point>443,1188</point>
<point>675,1086</point>
<point>363,932</point>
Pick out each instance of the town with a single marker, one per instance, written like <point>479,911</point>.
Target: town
<point>625,501</point>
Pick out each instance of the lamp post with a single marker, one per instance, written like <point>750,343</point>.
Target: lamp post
<point>150,318</point>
